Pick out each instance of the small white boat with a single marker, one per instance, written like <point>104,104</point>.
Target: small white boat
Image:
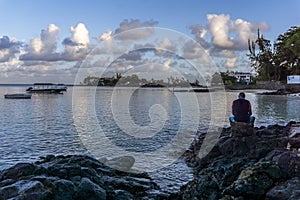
<point>17,96</point>
<point>49,88</point>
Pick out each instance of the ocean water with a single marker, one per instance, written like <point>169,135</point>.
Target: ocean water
<point>153,125</point>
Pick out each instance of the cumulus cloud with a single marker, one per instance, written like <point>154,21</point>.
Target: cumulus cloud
<point>231,62</point>
<point>76,47</point>
<point>134,23</point>
<point>192,50</point>
<point>40,57</point>
<point>8,48</point>
<point>5,43</point>
<point>43,48</point>
<point>106,36</point>
<point>167,45</point>
<point>166,65</point>
<point>224,38</point>
<point>244,31</point>
<point>143,30</point>
<point>226,33</point>
<point>224,53</point>
<point>80,34</point>
<point>200,34</point>
<point>221,36</point>
<point>219,29</point>
<point>133,55</point>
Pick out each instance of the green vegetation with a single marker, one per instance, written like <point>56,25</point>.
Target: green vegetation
<point>134,81</point>
<point>227,78</point>
<point>275,62</point>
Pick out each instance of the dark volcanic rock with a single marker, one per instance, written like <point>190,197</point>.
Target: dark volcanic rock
<point>249,166</point>
<point>254,165</point>
<point>74,177</point>
<point>289,189</point>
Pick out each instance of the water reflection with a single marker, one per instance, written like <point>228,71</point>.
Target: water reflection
<point>277,109</point>
<point>140,105</point>
<point>45,125</point>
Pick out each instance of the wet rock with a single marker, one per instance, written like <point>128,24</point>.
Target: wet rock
<point>242,129</point>
<point>63,189</point>
<point>289,189</point>
<point>19,170</point>
<point>23,189</point>
<point>254,181</point>
<point>89,190</point>
<point>245,166</point>
<point>122,195</point>
<point>288,161</point>
<point>75,177</point>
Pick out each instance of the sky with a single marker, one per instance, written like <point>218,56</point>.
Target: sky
<point>50,40</point>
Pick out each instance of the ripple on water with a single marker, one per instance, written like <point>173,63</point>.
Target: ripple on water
<point>44,125</point>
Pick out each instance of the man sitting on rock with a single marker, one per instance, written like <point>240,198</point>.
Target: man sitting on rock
<point>241,110</point>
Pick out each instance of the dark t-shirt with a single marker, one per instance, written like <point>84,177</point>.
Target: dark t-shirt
<point>241,109</point>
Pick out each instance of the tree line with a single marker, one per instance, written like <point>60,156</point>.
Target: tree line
<point>277,61</point>
<point>135,81</point>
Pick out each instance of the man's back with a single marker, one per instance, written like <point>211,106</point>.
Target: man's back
<point>241,109</point>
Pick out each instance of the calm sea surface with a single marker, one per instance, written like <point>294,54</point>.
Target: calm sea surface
<point>47,124</point>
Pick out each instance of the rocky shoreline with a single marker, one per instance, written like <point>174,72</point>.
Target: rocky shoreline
<point>258,166</point>
<point>282,92</point>
<point>74,177</point>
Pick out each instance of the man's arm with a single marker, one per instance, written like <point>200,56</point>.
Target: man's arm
<point>249,108</point>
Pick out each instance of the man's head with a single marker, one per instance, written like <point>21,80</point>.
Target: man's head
<point>242,95</point>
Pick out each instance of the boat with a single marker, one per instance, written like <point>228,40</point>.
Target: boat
<point>50,88</point>
<point>17,96</point>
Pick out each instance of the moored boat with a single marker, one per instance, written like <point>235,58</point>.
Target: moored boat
<point>50,88</point>
<point>17,96</point>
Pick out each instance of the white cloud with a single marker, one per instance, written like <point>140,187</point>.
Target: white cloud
<point>80,34</point>
<point>226,33</point>
<point>143,29</point>
<point>8,48</point>
<point>200,34</point>
<point>36,45</point>
<point>48,41</point>
<point>43,48</point>
<point>218,27</point>
<point>166,65</point>
<point>231,63</point>
<point>192,50</point>
<point>4,54</point>
<point>78,46</point>
<point>225,39</point>
<point>106,36</point>
<point>245,31</point>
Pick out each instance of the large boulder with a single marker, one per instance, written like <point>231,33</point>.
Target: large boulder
<point>241,129</point>
<point>255,181</point>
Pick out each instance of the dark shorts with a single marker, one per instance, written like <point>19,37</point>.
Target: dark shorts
<point>250,119</point>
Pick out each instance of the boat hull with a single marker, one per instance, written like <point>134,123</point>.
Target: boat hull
<point>47,91</point>
<point>48,88</point>
<point>17,96</point>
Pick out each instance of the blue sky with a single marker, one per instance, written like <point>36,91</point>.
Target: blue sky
<point>22,23</point>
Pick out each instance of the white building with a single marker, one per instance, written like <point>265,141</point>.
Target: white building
<point>243,77</point>
<point>295,79</point>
